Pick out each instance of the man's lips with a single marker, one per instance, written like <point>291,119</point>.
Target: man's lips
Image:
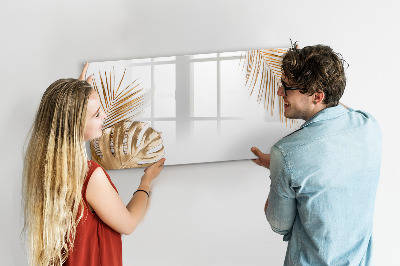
<point>286,104</point>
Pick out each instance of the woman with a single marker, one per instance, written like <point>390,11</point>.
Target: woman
<point>73,213</point>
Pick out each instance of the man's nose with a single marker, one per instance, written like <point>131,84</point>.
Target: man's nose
<point>280,91</point>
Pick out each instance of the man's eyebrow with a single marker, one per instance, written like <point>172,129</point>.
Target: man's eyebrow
<point>96,112</point>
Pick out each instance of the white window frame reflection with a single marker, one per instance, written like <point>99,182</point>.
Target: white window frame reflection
<point>184,90</point>
<point>218,58</point>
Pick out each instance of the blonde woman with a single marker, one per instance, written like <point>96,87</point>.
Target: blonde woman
<point>73,213</point>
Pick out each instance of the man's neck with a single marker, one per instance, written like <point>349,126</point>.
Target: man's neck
<point>318,108</point>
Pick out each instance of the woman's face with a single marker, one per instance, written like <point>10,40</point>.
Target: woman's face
<point>94,117</point>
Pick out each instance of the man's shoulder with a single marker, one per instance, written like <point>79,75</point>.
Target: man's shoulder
<point>324,127</point>
<point>292,142</point>
<point>365,117</point>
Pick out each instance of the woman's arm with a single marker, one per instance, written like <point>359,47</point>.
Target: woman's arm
<point>108,205</point>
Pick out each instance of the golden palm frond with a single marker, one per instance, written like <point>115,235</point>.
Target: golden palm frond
<point>264,70</point>
<point>118,103</point>
<point>127,145</point>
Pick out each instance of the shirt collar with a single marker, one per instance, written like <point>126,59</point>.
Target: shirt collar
<point>325,114</point>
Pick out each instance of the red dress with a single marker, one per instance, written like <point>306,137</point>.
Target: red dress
<point>95,242</point>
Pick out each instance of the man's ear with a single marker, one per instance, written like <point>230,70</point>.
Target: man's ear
<point>318,97</point>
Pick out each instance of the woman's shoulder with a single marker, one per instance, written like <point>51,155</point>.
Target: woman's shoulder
<point>93,164</point>
<point>97,170</point>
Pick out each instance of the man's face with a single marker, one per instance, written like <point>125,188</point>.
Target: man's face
<point>297,105</point>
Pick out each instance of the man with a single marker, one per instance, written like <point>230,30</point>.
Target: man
<point>325,174</point>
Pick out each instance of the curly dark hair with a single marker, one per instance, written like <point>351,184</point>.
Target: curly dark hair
<point>316,69</point>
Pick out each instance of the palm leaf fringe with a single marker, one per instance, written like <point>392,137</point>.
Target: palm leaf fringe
<point>264,68</point>
<point>119,104</point>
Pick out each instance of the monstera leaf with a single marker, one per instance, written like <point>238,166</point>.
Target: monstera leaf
<point>263,73</point>
<point>127,145</point>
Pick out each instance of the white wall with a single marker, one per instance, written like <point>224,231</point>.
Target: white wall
<point>203,214</point>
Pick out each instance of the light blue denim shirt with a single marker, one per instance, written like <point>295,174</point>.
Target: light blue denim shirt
<point>323,183</point>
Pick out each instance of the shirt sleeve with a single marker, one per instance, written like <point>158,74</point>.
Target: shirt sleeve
<point>281,210</point>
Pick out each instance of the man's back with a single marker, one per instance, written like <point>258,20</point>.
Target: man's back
<point>326,173</point>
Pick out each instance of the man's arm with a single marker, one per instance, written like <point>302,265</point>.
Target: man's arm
<point>280,208</point>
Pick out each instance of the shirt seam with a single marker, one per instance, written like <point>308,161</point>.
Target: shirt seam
<point>321,138</point>
<point>286,169</point>
<point>286,164</point>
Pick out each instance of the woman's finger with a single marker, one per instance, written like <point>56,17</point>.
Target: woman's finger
<point>161,162</point>
<point>90,79</point>
<point>83,74</point>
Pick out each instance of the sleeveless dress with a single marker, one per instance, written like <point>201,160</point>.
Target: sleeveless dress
<point>95,242</point>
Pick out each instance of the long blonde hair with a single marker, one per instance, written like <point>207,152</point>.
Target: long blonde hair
<point>55,167</point>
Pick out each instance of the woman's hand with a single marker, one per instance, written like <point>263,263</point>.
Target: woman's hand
<point>153,171</point>
<point>83,74</point>
<point>263,158</point>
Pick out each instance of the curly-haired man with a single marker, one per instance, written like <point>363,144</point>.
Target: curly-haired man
<point>325,174</point>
